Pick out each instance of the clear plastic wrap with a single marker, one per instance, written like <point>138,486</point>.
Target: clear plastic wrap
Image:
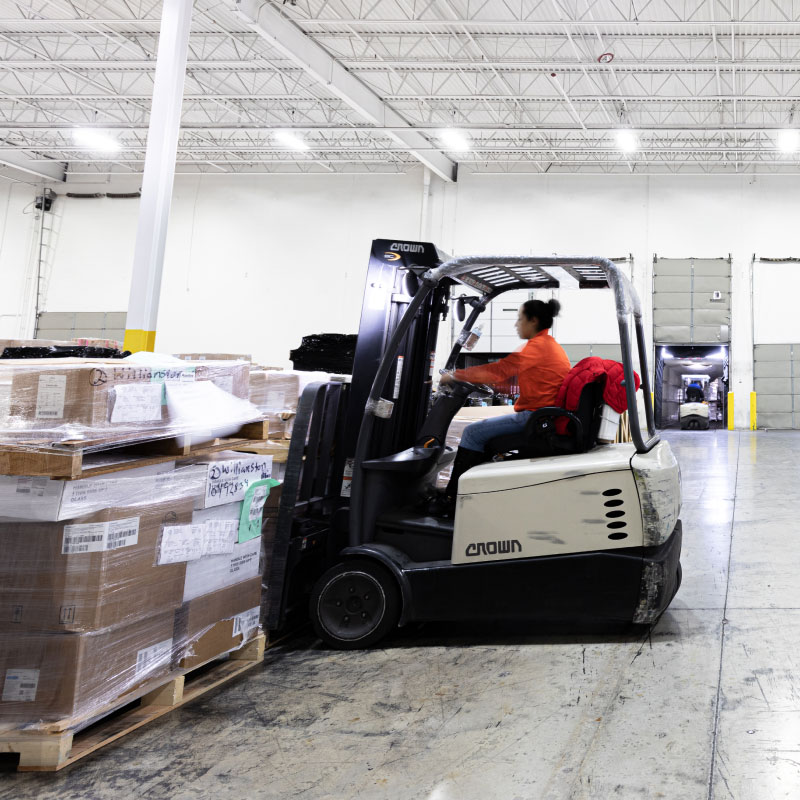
<point>97,402</point>
<point>126,578</point>
<point>276,394</point>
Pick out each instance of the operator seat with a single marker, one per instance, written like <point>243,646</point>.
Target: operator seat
<point>540,437</point>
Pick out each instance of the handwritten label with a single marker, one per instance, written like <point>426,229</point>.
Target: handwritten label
<point>180,543</point>
<point>253,509</point>
<point>219,536</point>
<point>137,402</point>
<point>50,396</point>
<point>227,481</point>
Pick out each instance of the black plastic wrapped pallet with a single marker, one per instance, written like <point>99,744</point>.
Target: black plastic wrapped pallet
<point>325,352</point>
<point>63,351</point>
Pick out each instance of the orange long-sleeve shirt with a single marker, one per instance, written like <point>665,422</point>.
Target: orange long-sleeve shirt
<point>541,366</point>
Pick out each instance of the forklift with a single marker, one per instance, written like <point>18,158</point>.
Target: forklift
<point>693,411</point>
<point>558,528</point>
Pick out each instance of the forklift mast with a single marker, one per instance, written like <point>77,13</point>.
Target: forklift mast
<point>315,500</point>
<point>392,280</point>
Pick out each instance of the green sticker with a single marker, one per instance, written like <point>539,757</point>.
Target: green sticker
<point>253,509</point>
<point>179,374</point>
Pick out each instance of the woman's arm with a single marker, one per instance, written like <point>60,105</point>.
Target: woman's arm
<point>493,373</point>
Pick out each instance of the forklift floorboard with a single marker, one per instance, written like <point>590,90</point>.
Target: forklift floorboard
<point>703,706</point>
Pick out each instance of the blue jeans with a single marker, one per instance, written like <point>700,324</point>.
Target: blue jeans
<point>477,434</point>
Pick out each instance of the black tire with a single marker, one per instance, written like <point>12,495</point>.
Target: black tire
<point>355,604</point>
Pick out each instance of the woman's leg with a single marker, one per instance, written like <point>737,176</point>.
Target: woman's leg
<point>476,435</point>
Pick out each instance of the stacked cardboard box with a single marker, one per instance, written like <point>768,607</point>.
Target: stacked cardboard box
<point>86,399</point>
<point>276,394</point>
<point>123,578</point>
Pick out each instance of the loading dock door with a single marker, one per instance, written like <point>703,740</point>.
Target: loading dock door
<point>691,300</point>
<point>776,381</point>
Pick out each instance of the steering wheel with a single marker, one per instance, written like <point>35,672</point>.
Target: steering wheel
<point>482,389</point>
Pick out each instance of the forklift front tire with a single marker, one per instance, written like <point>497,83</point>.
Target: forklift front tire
<point>355,604</point>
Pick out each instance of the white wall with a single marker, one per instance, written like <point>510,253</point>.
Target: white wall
<point>255,262</point>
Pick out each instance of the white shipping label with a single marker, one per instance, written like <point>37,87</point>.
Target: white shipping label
<point>20,685</point>
<point>225,382</point>
<point>87,538</point>
<point>228,480</point>
<point>246,621</point>
<point>257,503</point>
<point>50,396</point>
<point>151,658</point>
<point>181,543</point>
<point>122,533</point>
<point>219,536</point>
<point>33,486</point>
<point>137,402</point>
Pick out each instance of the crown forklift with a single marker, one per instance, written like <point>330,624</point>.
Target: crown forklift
<point>556,529</point>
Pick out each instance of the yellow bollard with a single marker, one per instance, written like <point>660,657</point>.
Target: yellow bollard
<point>753,415</point>
<point>730,411</point>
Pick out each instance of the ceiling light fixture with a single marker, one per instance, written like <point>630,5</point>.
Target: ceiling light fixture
<point>788,140</point>
<point>627,140</point>
<point>291,140</point>
<point>605,58</point>
<point>454,140</point>
<point>95,140</point>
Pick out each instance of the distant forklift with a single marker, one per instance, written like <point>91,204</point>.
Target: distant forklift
<point>693,411</point>
<point>590,535</point>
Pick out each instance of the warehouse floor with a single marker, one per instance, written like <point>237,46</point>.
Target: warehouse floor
<point>706,706</point>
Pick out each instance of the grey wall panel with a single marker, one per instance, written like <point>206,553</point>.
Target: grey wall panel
<point>772,352</point>
<point>772,369</point>
<point>710,334</point>
<point>772,403</point>
<point>671,334</point>
<point>711,316</point>
<point>672,283</point>
<point>777,421</point>
<point>682,300</point>
<point>81,324</point>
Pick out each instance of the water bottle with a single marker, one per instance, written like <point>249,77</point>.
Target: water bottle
<point>473,337</point>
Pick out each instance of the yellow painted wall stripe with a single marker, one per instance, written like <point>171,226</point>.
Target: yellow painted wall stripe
<point>753,414</point>
<point>730,411</point>
<point>137,340</point>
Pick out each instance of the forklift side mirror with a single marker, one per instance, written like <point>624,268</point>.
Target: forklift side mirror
<point>410,284</point>
<point>460,309</point>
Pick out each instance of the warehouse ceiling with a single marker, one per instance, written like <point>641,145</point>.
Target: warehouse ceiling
<point>535,86</point>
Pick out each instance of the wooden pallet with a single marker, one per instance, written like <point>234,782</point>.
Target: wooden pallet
<point>279,450</point>
<point>71,463</point>
<point>53,746</point>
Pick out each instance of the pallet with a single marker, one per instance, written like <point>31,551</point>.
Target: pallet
<point>279,450</point>
<point>72,463</point>
<point>52,746</point>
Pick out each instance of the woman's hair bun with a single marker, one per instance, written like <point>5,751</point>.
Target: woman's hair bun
<point>554,307</point>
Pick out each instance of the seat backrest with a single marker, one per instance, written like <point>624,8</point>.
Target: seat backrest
<point>589,411</point>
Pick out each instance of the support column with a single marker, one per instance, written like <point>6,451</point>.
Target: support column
<point>159,173</point>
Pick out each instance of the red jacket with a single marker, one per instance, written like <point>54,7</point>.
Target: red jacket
<point>587,371</point>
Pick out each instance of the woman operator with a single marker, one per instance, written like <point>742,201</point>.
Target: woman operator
<point>540,365</point>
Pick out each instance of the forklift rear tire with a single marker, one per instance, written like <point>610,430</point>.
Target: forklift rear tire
<point>355,604</point>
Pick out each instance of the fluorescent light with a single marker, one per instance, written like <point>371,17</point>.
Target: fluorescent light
<point>454,140</point>
<point>96,140</point>
<point>627,141</point>
<point>788,140</point>
<point>291,140</point>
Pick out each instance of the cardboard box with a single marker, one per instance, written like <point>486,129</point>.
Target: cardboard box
<point>276,394</point>
<point>105,395</point>
<point>217,623</point>
<point>228,476</point>
<point>50,676</point>
<point>89,573</point>
<point>28,499</point>
<point>212,573</point>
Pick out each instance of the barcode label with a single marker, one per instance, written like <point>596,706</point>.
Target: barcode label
<point>20,685</point>
<point>50,396</point>
<point>151,658</point>
<point>87,538</point>
<point>95,537</point>
<point>245,622</point>
<point>122,533</point>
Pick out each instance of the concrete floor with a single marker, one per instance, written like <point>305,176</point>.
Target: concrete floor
<point>706,706</point>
